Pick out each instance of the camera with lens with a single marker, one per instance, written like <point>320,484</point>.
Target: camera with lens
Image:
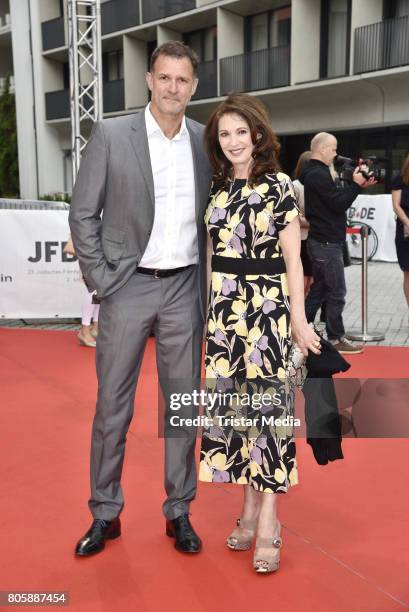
<point>376,168</point>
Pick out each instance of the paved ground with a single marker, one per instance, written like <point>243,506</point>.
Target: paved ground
<point>387,310</point>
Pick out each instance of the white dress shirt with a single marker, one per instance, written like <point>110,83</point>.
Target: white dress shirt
<point>173,241</point>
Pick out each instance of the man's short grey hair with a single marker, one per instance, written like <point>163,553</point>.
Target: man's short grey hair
<point>321,139</point>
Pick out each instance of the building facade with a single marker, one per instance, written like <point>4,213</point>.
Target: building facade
<point>335,65</point>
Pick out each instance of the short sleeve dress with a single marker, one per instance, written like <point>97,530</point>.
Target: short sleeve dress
<point>248,335</point>
<point>402,243</point>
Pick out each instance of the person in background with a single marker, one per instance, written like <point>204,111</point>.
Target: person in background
<point>89,321</point>
<point>304,225</point>
<point>400,201</point>
<point>325,209</point>
<point>89,311</point>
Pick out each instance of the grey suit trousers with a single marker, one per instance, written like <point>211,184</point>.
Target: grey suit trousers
<point>171,307</point>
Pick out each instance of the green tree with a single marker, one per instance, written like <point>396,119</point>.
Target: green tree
<point>9,181</point>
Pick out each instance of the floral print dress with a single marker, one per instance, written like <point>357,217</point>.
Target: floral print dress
<point>248,339</point>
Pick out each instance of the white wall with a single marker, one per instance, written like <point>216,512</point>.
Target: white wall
<point>26,136</point>
<point>230,36</point>
<point>166,34</point>
<point>135,68</point>
<point>305,40</point>
<point>47,9</point>
<point>50,156</point>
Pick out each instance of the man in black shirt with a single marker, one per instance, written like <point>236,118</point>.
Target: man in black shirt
<point>325,210</point>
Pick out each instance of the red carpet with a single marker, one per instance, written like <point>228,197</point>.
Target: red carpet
<point>345,526</point>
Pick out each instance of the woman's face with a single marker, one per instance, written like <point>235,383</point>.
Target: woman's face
<point>235,139</point>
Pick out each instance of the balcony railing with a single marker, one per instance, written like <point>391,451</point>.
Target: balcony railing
<point>157,9</point>
<point>207,74</point>
<point>382,45</point>
<point>114,96</point>
<point>263,69</point>
<point>119,15</point>
<point>3,85</point>
<point>53,33</point>
<point>5,22</point>
<point>57,104</point>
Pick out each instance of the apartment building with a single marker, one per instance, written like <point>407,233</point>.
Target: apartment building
<point>335,65</point>
<point>6,56</point>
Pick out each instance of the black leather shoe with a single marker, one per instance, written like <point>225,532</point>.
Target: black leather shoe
<point>94,540</point>
<point>186,538</point>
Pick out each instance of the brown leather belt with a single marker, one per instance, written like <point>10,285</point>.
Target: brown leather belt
<point>162,273</point>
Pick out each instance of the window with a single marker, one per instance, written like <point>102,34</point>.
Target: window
<point>395,8</point>
<point>335,37</point>
<point>203,42</point>
<point>280,27</point>
<point>113,65</point>
<point>150,48</point>
<point>269,29</point>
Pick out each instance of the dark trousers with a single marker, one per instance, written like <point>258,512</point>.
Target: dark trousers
<point>328,286</point>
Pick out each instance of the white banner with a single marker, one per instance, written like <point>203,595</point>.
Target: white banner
<point>377,212</point>
<point>36,279</point>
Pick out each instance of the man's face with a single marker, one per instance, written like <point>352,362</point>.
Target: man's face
<point>329,151</point>
<point>172,84</point>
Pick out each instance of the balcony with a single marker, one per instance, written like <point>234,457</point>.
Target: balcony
<point>382,45</point>
<point>263,69</point>
<point>114,96</point>
<point>118,15</point>
<point>53,33</point>
<point>3,85</point>
<point>157,9</point>
<point>5,23</point>
<point>57,104</point>
<point>207,74</point>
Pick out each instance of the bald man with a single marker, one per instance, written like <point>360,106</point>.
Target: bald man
<point>325,210</point>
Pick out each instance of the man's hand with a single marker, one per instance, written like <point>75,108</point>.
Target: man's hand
<point>360,180</point>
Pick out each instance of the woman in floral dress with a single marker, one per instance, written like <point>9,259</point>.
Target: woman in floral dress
<point>254,231</point>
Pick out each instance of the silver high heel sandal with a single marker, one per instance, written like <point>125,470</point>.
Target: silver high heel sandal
<point>269,561</point>
<point>237,540</point>
<point>84,342</point>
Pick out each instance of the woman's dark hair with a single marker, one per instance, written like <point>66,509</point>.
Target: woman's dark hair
<point>304,157</point>
<point>175,48</point>
<point>405,171</point>
<point>266,145</point>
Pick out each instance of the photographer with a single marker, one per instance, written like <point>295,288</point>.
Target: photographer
<point>325,210</point>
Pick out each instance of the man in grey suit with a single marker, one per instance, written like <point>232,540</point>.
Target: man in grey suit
<point>145,258</point>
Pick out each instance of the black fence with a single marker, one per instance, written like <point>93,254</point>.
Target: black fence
<point>114,96</point>
<point>207,74</point>
<point>53,34</point>
<point>119,15</point>
<point>57,104</point>
<point>263,69</point>
<point>382,45</point>
<point>157,9</point>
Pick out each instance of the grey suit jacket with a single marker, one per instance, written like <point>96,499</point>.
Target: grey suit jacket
<point>115,177</point>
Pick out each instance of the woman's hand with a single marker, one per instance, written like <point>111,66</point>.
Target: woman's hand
<point>306,338</point>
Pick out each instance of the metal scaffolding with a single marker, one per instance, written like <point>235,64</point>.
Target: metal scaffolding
<point>84,47</point>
